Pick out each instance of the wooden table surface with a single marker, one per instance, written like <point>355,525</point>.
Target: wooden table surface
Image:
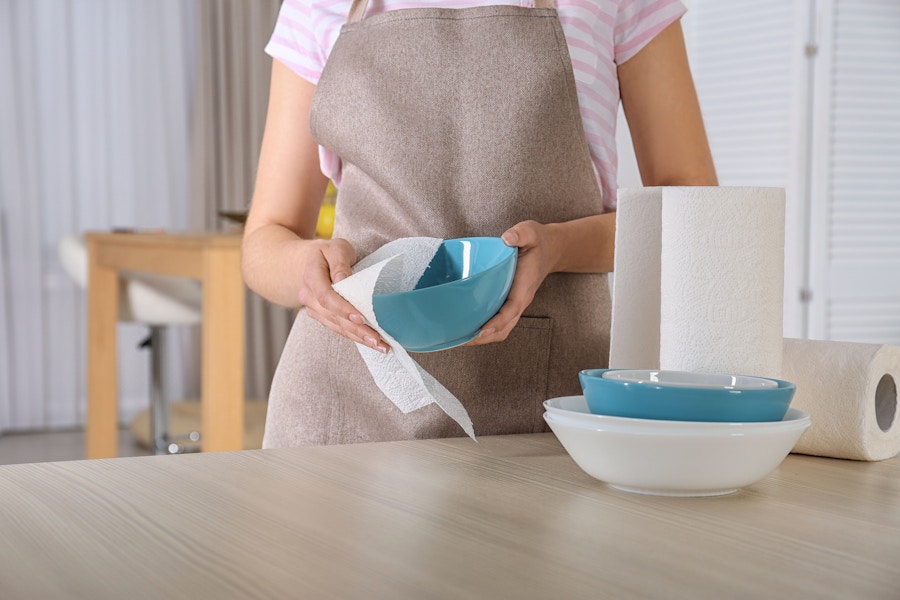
<point>507,517</point>
<point>215,260</point>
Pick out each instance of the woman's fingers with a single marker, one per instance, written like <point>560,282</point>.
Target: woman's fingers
<point>521,294</point>
<point>340,257</point>
<point>531,270</point>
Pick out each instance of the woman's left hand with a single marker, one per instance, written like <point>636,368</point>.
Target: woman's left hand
<point>537,259</point>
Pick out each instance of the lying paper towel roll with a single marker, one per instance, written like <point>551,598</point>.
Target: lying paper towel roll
<point>699,280</point>
<point>850,392</point>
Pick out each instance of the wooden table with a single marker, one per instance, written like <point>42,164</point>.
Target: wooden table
<point>214,259</point>
<point>507,517</point>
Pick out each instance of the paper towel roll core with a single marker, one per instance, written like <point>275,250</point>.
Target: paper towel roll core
<point>849,390</point>
<point>886,402</point>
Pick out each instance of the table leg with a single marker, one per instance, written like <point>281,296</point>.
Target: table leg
<point>101,436</point>
<point>222,394</point>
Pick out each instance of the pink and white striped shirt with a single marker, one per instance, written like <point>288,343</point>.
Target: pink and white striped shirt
<point>600,34</point>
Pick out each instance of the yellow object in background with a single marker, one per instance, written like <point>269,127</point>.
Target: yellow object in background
<point>325,224</point>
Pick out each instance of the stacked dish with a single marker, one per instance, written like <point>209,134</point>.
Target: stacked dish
<point>677,433</point>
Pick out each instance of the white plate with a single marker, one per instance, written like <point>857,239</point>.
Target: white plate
<point>688,379</point>
<point>679,463</point>
<point>575,408</point>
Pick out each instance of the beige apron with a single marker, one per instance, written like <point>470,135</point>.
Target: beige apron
<point>449,123</point>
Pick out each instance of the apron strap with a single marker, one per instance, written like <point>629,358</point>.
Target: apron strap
<point>359,8</point>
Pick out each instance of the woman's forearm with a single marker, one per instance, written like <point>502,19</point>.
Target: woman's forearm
<point>280,228</point>
<point>272,259</point>
<point>584,245</point>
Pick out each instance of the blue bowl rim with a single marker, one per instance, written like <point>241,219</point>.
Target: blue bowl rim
<point>513,254</point>
<point>782,384</point>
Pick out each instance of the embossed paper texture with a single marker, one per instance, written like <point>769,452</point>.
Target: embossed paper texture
<point>699,280</point>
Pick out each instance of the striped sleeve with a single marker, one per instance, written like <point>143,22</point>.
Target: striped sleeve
<point>639,21</point>
<point>293,41</point>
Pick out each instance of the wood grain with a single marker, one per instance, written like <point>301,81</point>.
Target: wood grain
<point>223,350</point>
<point>507,517</point>
<point>103,316</point>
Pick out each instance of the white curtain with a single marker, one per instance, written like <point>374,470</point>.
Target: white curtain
<point>95,105</point>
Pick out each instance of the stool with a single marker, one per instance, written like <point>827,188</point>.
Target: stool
<point>158,302</point>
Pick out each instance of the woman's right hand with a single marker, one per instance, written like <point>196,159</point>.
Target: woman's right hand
<point>326,263</point>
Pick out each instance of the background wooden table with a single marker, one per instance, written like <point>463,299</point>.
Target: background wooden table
<point>507,517</point>
<point>214,259</point>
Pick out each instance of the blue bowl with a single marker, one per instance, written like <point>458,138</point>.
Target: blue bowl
<point>645,400</point>
<point>464,285</point>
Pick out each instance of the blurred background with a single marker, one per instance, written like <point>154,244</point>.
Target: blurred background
<point>149,114</point>
<point>120,114</point>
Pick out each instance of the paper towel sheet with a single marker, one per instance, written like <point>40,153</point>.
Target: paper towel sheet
<point>850,392</point>
<point>397,267</point>
<point>634,330</point>
<point>699,282</point>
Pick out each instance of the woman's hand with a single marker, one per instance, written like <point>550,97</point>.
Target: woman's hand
<point>326,263</point>
<point>537,258</point>
<point>581,246</point>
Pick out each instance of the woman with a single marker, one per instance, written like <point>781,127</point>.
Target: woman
<point>479,119</point>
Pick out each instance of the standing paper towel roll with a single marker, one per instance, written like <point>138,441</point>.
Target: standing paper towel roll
<point>850,392</point>
<point>722,285</point>
<point>699,280</point>
<point>634,331</point>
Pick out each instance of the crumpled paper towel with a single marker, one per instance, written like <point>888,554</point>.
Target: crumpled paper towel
<point>699,282</point>
<point>397,267</point>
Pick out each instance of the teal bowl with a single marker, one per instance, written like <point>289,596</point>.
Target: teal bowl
<point>647,400</point>
<point>464,285</point>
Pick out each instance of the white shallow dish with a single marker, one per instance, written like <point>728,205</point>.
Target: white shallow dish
<point>576,408</point>
<point>675,458</point>
<point>694,380</point>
